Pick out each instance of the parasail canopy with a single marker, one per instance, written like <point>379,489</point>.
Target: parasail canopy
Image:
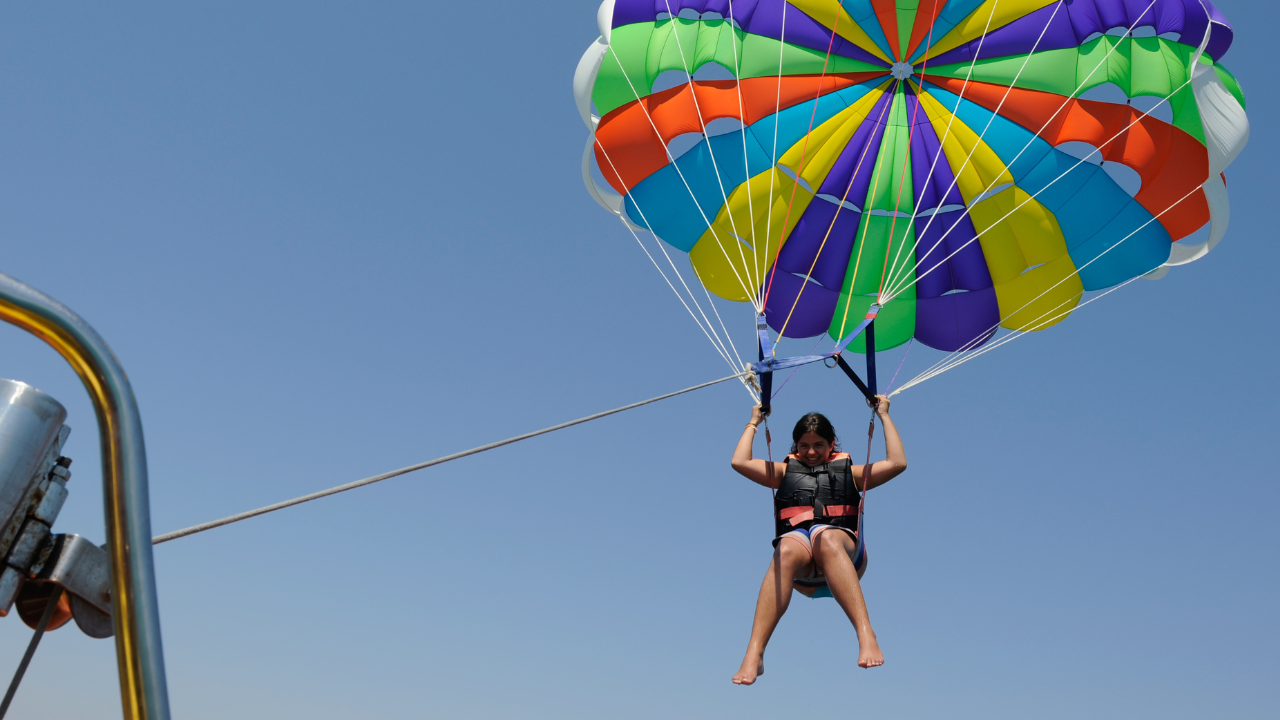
<point>960,162</point>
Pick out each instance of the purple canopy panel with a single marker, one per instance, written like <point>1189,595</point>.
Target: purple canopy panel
<point>1069,25</point>
<point>916,116</point>
<point>1185,17</point>
<point>813,311</point>
<point>1018,38</point>
<point>962,319</point>
<point>930,282</point>
<point>850,176</point>
<point>802,30</point>
<point>758,17</point>
<point>928,188</point>
<point>965,270</point>
<point>798,254</point>
<point>626,12</point>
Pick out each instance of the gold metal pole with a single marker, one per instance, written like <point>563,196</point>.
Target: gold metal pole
<point>139,652</point>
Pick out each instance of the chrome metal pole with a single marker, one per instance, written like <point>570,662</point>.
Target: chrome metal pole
<point>136,610</point>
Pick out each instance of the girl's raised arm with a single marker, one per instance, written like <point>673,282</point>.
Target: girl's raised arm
<point>895,456</point>
<point>766,473</point>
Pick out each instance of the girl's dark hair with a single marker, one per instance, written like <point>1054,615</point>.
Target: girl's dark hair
<point>815,423</point>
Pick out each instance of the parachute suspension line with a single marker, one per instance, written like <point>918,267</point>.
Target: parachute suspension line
<point>950,361</point>
<point>866,482</point>
<point>865,223</point>
<point>1037,322</point>
<point>715,340</point>
<point>1006,339</point>
<point>844,320</point>
<point>955,178</point>
<point>897,208</point>
<point>733,225</point>
<point>709,330</point>
<point>809,275</point>
<point>768,448</point>
<point>640,103</point>
<point>803,150</point>
<point>987,333</point>
<point>903,287</point>
<point>49,607</point>
<point>956,358</point>
<point>897,204</point>
<point>797,368</point>
<point>969,156</point>
<point>941,142</point>
<point>871,435</point>
<point>901,362</point>
<point>420,466</point>
<point>746,166</point>
<point>773,157</point>
<point>727,335</point>
<point>1041,321</point>
<point>904,284</point>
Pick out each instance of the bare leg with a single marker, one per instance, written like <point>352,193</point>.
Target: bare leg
<point>831,549</point>
<point>790,558</point>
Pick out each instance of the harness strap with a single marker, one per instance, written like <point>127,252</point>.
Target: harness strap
<point>796,515</point>
<point>866,481</point>
<point>862,387</point>
<point>871,357</point>
<point>765,373</point>
<point>801,513</point>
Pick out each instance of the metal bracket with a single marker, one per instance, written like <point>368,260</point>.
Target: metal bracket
<point>84,571</point>
<point>33,482</point>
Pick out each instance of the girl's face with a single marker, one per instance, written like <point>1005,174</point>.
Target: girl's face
<point>813,449</point>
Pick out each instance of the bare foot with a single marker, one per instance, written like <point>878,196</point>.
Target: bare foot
<point>870,655</point>
<point>752,668</point>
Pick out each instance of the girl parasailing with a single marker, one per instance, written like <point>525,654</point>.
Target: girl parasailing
<point>817,504</point>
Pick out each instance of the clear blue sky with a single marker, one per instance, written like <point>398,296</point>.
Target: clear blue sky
<point>329,239</point>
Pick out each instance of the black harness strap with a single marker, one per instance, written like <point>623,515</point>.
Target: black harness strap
<point>854,377</point>
<point>868,388</point>
<point>871,358</point>
<point>766,378</point>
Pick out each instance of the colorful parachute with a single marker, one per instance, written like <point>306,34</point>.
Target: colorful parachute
<point>914,153</point>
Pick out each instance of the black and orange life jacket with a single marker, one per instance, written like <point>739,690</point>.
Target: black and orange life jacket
<point>824,493</point>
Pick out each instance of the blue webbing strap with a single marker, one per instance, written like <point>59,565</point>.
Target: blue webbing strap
<point>866,322</point>
<point>762,332</point>
<point>768,363</point>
